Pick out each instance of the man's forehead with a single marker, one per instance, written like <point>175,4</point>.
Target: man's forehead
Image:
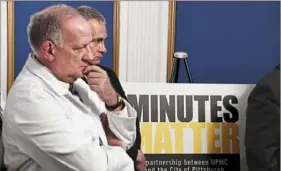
<point>76,27</point>
<point>99,31</point>
<point>101,36</point>
<point>96,21</point>
<point>95,24</point>
<point>77,34</point>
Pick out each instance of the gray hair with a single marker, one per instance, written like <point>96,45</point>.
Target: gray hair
<point>46,25</point>
<point>91,13</point>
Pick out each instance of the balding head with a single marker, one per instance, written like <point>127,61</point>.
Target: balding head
<point>47,25</point>
<point>61,39</point>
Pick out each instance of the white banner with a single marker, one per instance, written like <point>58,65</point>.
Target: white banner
<point>191,126</point>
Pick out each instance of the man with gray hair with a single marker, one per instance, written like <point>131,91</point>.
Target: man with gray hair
<point>98,25</point>
<point>52,118</point>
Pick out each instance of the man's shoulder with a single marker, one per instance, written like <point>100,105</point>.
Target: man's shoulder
<point>269,84</point>
<point>28,87</point>
<point>31,97</point>
<point>271,79</point>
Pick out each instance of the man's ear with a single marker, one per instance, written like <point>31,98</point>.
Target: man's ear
<point>47,50</point>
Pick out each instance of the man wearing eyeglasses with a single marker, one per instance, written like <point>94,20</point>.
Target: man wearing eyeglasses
<point>99,33</point>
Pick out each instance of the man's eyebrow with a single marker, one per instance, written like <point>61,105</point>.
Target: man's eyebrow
<point>98,38</point>
<point>81,45</point>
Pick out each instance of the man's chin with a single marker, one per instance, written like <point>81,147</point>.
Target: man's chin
<point>80,75</point>
<point>96,62</point>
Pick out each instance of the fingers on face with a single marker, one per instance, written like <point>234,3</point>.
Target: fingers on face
<point>94,68</point>
<point>95,75</point>
<point>97,78</point>
<point>95,81</point>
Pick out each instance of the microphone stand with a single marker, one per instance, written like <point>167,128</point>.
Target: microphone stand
<point>175,69</point>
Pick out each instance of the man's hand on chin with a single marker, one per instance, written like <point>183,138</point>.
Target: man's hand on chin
<point>99,82</point>
<point>141,161</point>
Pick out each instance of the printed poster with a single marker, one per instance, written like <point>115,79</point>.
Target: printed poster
<point>191,127</point>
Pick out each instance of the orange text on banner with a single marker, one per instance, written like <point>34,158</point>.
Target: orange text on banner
<point>225,141</point>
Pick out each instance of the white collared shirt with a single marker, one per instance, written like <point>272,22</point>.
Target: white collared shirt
<point>47,128</point>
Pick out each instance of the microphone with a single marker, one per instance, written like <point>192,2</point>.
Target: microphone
<point>180,55</point>
<point>175,69</point>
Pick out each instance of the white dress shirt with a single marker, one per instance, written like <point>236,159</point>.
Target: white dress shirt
<point>47,128</point>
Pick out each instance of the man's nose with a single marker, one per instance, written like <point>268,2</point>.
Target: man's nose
<point>102,48</point>
<point>89,54</point>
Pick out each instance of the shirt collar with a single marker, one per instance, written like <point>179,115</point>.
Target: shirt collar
<point>35,67</point>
